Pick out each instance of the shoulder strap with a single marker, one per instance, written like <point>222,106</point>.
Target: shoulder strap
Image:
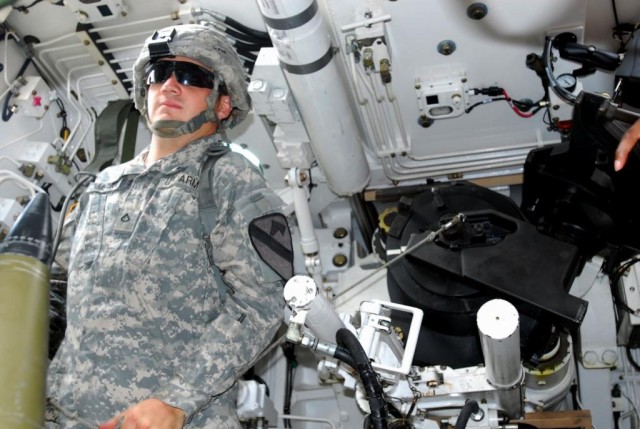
<point>208,210</point>
<point>206,205</point>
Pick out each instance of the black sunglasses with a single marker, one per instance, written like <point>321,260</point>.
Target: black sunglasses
<point>187,74</point>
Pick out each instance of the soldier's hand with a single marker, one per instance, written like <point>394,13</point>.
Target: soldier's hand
<point>147,414</point>
<point>628,141</point>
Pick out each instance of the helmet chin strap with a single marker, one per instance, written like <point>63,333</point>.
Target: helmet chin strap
<point>170,128</point>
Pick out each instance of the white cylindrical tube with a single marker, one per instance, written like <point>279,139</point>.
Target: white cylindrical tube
<point>303,43</point>
<point>308,239</point>
<point>499,327</point>
<point>301,293</point>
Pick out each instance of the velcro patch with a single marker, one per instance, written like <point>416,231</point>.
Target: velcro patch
<point>271,238</point>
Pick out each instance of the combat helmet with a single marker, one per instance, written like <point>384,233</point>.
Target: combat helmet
<point>211,48</point>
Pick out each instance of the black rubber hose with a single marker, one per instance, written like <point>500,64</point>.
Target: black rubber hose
<point>248,38</point>
<point>248,55</point>
<point>343,354</point>
<point>372,386</point>
<point>240,46</point>
<point>469,407</point>
<point>238,26</point>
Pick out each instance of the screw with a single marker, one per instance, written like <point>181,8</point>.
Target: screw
<point>340,233</point>
<point>477,11</point>
<point>340,260</point>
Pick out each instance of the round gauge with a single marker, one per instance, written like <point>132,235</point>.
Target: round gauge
<point>567,81</point>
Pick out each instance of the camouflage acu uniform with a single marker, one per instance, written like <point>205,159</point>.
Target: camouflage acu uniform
<point>146,318</point>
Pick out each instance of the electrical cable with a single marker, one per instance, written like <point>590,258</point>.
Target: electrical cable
<point>614,278</point>
<point>620,29</point>
<point>369,378</point>
<point>248,55</point>
<point>289,353</point>
<point>6,111</point>
<point>65,207</point>
<point>485,101</point>
<point>615,13</point>
<point>64,131</point>
<point>567,96</point>
<point>249,65</point>
<point>238,26</point>
<point>617,392</point>
<point>245,47</point>
<point>633,406</point>
<point>500,94</point>
<point>631,360</point>
<point>25,9</point>
<point>574,396</point>
<point>248,38</point>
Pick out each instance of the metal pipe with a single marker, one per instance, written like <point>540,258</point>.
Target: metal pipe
<point>499,327</point>
<point>303,44</point>
<point>308,419</point>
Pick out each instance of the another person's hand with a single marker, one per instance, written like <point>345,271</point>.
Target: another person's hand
<point>628,141</point>
<point>150,413</point>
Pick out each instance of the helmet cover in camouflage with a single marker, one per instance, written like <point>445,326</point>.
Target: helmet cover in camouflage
<point>205,45</point>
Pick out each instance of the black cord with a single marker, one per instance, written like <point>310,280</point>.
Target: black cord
<point>58,235</point>
<point>369,378</point>
<point>366,423</point>
<point>248,55</point>
<point>486,101</point>
<point>248,38</point>
<point>615,13</point>
<point>6,111</point>
<point>64,131</point>
<point>251,375</point>
<point>238,26</point>
<point>25,9</point>
<point>248,47</point>
<point>249,65</point>
<point>631,360</point>
<point>574,396</point>
<point>289,353</point>
<point>615,277</point>
<point>547,119</point>
<point>620,29</point>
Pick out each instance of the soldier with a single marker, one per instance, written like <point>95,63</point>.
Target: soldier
<point>154,339</point>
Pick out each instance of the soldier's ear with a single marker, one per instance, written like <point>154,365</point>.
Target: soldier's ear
<point>223,107</point>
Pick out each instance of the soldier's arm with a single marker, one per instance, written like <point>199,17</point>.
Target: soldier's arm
<point>253,306</point>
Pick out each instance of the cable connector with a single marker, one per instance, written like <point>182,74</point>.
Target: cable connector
<point>492,91</point>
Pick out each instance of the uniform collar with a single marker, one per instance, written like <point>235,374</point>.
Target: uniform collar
<point>192,154</point>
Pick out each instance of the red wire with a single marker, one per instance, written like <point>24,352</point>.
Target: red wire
<point>514,108</point>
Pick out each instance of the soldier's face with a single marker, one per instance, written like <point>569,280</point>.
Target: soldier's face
<point>172,100</point>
